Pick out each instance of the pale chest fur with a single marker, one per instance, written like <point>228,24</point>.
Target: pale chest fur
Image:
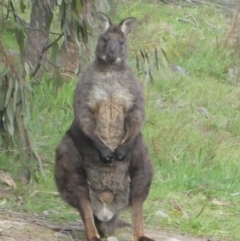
<point>110,100</point>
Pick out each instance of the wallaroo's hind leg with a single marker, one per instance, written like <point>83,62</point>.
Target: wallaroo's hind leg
<point>141,173</point>
<point>72,185</point>
<point>137,221</point>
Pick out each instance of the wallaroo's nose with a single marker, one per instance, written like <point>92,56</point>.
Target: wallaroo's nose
<point>111,56</point>
<point>105,218</point>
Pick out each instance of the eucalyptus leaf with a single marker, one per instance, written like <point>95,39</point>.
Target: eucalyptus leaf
<point>9,90</point>
<point>54,53</point>
<point>164,59</point>
<point>22,6</point>
<point>48,20</point>
<point>79,7</point>
<point>10,118</point>
<point>3,71</point>
<point>85,32</point>
<point>2,98</point>
<point>137,62</point>
<point>20,39</point>
<point>59,2</point>
<point>26,67</point>
<point>13,9</point>
<point>15,96</point>
<point>156,57</point>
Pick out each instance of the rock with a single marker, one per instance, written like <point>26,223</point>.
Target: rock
<point>202,111</point>
<point>50,212</point>
<point>162,214</point>
<point>5,224</point>
<point>172,239</point>
<point>112,239</point>
<point>60,235</point>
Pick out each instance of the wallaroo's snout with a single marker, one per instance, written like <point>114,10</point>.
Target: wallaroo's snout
<point>111,56</point>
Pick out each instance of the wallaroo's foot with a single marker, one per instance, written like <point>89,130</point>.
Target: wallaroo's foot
<point>94,239</point>
<point>143,238</point>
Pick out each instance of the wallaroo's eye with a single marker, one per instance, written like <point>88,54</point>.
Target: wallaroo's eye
<point>121,42</point>
<point>105,39</point>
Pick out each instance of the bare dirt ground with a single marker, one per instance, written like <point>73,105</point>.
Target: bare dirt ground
<point>16,226</point>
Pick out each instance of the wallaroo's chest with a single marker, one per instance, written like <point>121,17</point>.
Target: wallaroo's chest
<point>110,99</point>
<point>111,87</point>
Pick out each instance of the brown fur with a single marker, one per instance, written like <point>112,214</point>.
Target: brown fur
<point>102,165</point>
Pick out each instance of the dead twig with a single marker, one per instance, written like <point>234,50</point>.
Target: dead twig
<point>55,194</point>
<point>211,25</point>
<point>176,205</point>
<point>186,20</point>
<point>201,211</point>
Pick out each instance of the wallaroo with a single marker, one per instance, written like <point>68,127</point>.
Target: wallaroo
<point>102,165</point>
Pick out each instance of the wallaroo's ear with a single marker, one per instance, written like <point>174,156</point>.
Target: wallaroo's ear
<point>103,21</point>
<point>127,24</point>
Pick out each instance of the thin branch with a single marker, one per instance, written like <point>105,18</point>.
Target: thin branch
<point>37,29</point>
<point>41,55</point>
<point>201,211</point>
<point>185,19</point>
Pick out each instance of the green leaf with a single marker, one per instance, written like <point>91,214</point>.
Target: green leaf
<point>48,20</point>
<point>156,58</point>
<point>15,96</point>
<point>142,54</point>
<point>76,34</point>
<point>137,62</point>
<point>22,6</point>
<point>3,71</point>
<point>2,98</point>
<point>10,118</point>
<point>104,6</point>
<point>85,32</point>
<point>13,9</point>
<point>78,6</point>
<point>55,49</point>
<point>26,68</point>
<point>9,90</point>
<point>20,39</point>
<point>164,59</point>
<point>59,2</point>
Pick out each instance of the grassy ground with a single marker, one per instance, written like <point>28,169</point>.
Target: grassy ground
<point>192,128</point>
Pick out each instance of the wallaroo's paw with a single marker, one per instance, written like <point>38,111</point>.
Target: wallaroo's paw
<point>120,153</point>
<point>143,238</point>
<point>94,239</point>
<point>106,155</point>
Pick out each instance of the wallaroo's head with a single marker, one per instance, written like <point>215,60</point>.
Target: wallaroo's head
<point>112,47</point>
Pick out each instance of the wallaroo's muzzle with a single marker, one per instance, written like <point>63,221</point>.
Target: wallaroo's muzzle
<point>111,57</point>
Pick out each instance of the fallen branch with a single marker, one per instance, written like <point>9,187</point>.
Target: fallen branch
<point>45,222</point>
<point>185,19</point>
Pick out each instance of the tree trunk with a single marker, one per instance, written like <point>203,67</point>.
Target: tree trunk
<point>37,40</point>
<point>68,56</point>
